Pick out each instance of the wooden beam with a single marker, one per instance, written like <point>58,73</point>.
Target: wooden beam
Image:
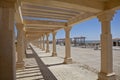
<point>112,5</point>
<point>45,14</point>
<point>41,23</point>
<point>41,28</point>
<point>80,18</point>
<point>85,5</point>
<point>38,30</point>
<point>48,11</point>
<point>32,37</point>
<point>34,34</point>
<point>45,25</point>
<point>46,28</point>
<point>46,17</point>
<point>48,6</point>
<point>28,32</point>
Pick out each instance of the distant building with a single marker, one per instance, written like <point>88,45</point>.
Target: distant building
<point>79,41</point>
<point>116,42</point>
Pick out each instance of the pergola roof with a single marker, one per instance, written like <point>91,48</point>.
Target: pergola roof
<point>45,16</point>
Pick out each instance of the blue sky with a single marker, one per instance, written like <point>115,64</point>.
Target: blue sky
<point>91,29</point>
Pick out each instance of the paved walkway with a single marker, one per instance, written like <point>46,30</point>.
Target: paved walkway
<point>41,66</point>
<point>89,58</point>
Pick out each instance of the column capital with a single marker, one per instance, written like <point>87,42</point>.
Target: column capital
<point>67,28</point>
<point>106,16</point>
<point>7,3</point>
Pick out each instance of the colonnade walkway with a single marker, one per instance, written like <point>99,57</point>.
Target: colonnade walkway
<point>40,65</point>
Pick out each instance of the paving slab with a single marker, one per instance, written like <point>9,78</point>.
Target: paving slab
<point>42,66</point>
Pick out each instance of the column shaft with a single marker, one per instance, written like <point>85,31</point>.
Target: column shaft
<point>67,58</point>
<point>54,44</point>
<point>7,42</point>
<point>47,45</point>
<point>40,43</point>
<point>43,42</point>
<point>106,72</point>
<point>20,46</point>
<point>24,44</point>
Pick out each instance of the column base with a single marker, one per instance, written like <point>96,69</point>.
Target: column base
<point>103,76</point>
<point>20,65</point>
<point>67,60</point>
<point>54,54</point>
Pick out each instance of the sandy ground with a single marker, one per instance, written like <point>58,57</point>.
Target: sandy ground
<point>86,64</point>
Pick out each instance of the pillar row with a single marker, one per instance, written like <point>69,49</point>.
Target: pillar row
<point>54,53</point>
<point>40,43</point>
<point>47,45</point>
<point>106,72</point>
<point>43,42</point>
<point>20,46</point>
<point>67,58</point>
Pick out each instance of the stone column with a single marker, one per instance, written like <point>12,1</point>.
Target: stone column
<point>67,58</point>
<point>54,44</point>
<point>7,40</point>
<point>40,43</point>
<point>106,72</point>
<point>20,46</point>
<point>47,45</point>
<point>24,44</point>
<point>43,42</point>
<point>26,40</point>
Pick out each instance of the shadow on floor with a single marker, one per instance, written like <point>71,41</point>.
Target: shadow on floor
<point>54,64</point>
<point>43,69</point>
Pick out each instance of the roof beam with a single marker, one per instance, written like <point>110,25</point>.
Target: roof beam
<point>28,32</point>
<point>45,14</point>
<point>85,5</point>
<point>113,4</point>
<point>47,11</point>
<point>41,28</point>
<point>45,26</point>
<point>37,30</point>
<point>42,23</point>
<point>72,4</point>
<point>80,18</point>
<point>46,17</point>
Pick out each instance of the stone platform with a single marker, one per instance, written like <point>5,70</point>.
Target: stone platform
<point>42,66</point>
